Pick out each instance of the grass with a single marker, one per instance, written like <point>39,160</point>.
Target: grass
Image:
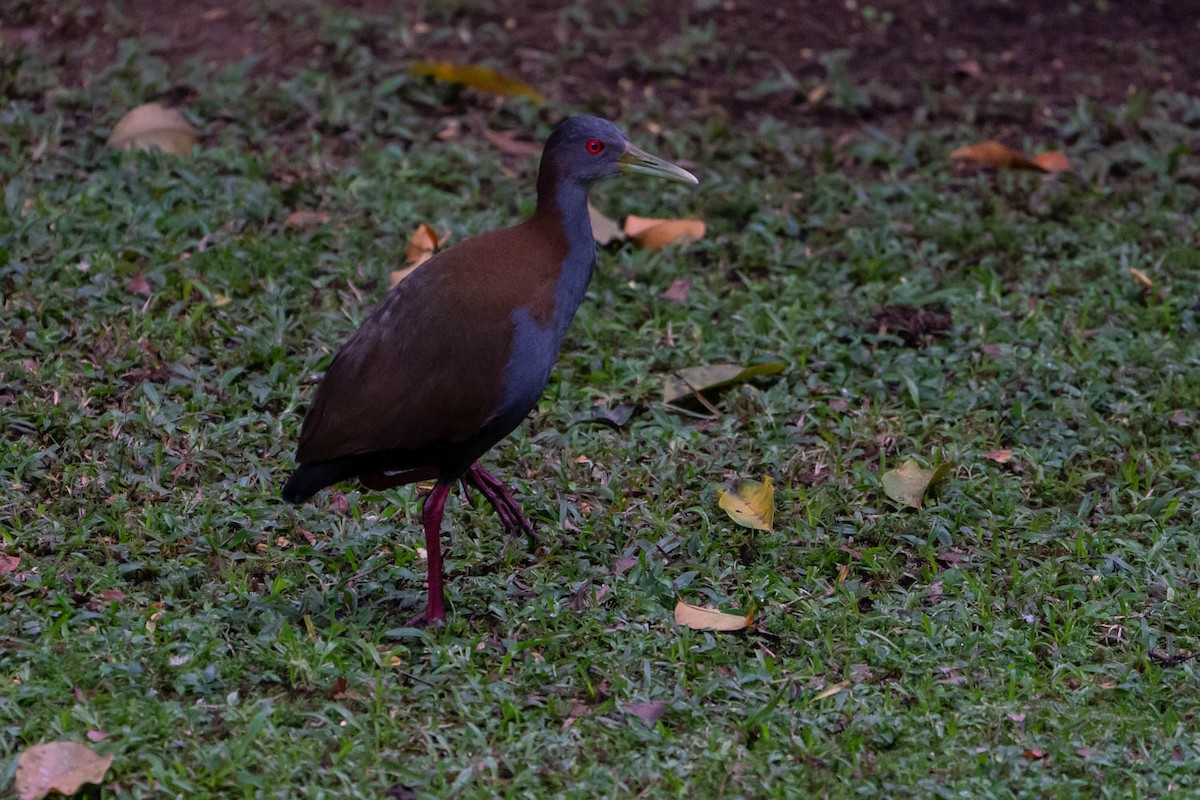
<point>1027,634</point>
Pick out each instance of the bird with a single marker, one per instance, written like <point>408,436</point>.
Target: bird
<point>458,354</point>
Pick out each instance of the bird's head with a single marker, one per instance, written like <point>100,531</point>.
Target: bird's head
<point>586,149</point>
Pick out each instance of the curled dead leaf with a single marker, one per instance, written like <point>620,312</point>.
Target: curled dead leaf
<point>701,618</point>
<point>139,285</point>
<point>475,76</point>
<point>751,503</point>
<point>421,246</point>
<point>994,154</point>
<point>58,767</point>
<point>999,456</point>
<point>830,691</point>
<point>692,380</point>
<point>1141,277</point>
<point>678,291</point>
<point>908,483</point>
<point>303,219</point>
<point>655,234</point>
<point>8,563</point>
<point>649,713</point>
<point>152,126</point>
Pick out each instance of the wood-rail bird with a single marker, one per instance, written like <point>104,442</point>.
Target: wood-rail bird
<point>459,352</point>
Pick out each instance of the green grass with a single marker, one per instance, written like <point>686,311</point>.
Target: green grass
<point>1024,635</point>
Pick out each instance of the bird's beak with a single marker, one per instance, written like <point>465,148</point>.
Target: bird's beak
<point>635,159</point>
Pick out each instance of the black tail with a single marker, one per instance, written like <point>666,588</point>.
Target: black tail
<point>308,479</point>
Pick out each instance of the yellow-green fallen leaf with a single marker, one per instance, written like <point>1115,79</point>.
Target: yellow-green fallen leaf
<point>686,382</point>
<point>485,79</point>
<point>751,503</point>
<point>832,690</point>
<point>154,127</point>
<point>700,618</point>
<point>62,767</point>
<point>908,483</point>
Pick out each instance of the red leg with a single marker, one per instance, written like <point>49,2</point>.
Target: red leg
<point>507,508</point>
<point>431,515</point>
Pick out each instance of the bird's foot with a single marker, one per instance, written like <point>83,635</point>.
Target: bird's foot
<point>507,508</point>
<point>426,620</point>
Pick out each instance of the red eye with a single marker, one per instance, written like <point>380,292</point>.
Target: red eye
<point>594,146</point>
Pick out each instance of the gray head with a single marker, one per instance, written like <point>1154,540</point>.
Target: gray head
<point>585,149</point>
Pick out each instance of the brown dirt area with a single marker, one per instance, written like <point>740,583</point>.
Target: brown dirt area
<point>1010,59</point>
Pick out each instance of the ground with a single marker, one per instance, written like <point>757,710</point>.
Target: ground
<point>1029,632</point>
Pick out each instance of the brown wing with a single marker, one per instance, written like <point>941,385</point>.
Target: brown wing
<point>427,366</point>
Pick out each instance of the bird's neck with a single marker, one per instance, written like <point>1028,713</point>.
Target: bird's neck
<point>564,204</point>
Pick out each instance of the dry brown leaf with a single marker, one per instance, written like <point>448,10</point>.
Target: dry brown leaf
<point>655,234</point>
<point>604,230</point>
<point>58,767</point>
<point>420,248</point>
<point>908,483</point>
<point>994,154</point>
<point>505,142</point>
<point>1141,277</point>
<point>701,618</point>
<point>139,285</point>
<point>8,563</point>
<point>301,220</point>
<point>485,79</point>
<point>678,291</point>
<point>830,691</point>
<point>1053,161</point>
<point>751,503</point>
<point>1000,456</point>
<point>649,713</point>
<point>154,127</point>
<point>690,380</point>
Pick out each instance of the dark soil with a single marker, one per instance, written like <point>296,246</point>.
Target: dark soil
<point>810,62</point>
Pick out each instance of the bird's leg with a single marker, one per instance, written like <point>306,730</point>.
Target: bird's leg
<point>431,516</point>
<point>507,508</point>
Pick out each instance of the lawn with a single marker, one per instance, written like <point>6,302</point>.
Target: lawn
<point>1029,632</point>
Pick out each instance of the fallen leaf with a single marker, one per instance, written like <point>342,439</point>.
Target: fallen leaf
<point>1033,754</point>
<point>58,767</point>
<point>617,416</point>
<point>154,127</point>
<point>8,563</point>
<point>484,79</point>
<point>908,483</point>
<point>999,456</point>
<point>139,285</point>
<point>1141,277</point>
<point>96,735</point>
<point>655,234</point>
<point>678,291</point>
<point>301,220</point>
<point>505,142</point>
<point>994,154</point>
<point>832,690</point>
<point>689,381</point>
<point>911,325</point>
<point>604,230</point>
<point>649,713</point>
<point>420,248</point>
<point>701,618</point>
<point>751,503</point>
<point>112,595</point>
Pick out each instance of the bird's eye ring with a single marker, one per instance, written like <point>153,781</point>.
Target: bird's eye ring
<point>594,146</point>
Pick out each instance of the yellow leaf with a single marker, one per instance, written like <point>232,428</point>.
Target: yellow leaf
<point>691,380</point>
<point>1141,277</point>
<point>485,79</point>
<point>907,483</point>
<point>655,234</point>
<point>62,767</point>
<point>154,127</point>
<point>751,503</point>
<point>1053,161</point>
<point>700,618</point>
